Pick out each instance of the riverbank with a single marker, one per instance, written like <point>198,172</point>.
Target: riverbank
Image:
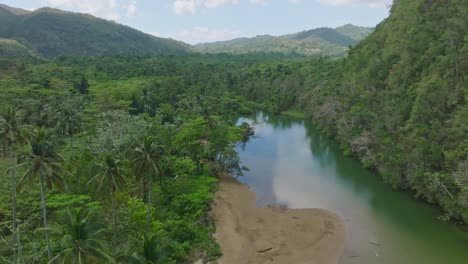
<point>251,234</point>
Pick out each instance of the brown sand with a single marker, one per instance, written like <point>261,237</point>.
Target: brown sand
<point>251,234</point>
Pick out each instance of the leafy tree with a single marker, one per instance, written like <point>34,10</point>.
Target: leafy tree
<point>68,121</point>
<point>149,155</point>
<point>82,86</point>
<point>44,162</point>
<point>13,131</point>
<point>151,251</point>
<point>109,176</point>
<point>82,238</point>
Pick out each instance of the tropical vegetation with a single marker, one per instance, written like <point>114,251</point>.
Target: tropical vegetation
<point>112,159</point>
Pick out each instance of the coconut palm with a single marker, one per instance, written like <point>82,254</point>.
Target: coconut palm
<point>13,131</point>
<point>42,162</point>
<point>68,122</point>
<point>150,251</point>
<point>149,156</point>
<point>82,238</point>
<point>109,175</point>
<point>146,101</point>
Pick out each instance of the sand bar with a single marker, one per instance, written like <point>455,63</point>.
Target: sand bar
<point>251,234</point>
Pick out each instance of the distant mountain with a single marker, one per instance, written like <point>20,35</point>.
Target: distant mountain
<point>319,41</point>
<point>14,10</point>
<point>52,32</point>
<point>354,32</point>
<point>10,48</point>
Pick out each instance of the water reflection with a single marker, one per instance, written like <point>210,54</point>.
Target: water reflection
<point>292,163</point>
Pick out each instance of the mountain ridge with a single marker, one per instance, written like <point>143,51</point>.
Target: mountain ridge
<point>52,32</point>
<point>319,41</point>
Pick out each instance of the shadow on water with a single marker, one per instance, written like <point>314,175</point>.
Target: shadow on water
<point>293,163</point>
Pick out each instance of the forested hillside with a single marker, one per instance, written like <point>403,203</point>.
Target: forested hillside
<point>319,42</point>
<point>52,32</point>
<point>112,159</point>
<point>399,101</point>
<point>10,48</point>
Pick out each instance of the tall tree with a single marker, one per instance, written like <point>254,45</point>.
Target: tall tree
<point>82,238</point>
<point>68,121</point>
<point>151,251</point>
<point>82,86</point>
<point>109,175</point>
<point>13,131</point>
<point>149,155</point>
<point>44,162</point>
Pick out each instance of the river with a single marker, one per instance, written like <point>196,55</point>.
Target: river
<point>292,163</point>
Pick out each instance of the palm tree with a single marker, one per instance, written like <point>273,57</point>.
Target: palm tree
<point>109,175</point>
<point>151,251</point>
<point>82,238</point>
<point>12,132</point>
<point>68,123</point>
<point>44,162</point>
<point>148,153</point>
<point>146,101</point>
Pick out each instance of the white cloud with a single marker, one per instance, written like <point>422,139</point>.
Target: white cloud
<point>184,7</point>
<point>190,7</point>
<point>108,9</point>
<point>259,2</point>
<point>371,3</point>
<point>216,3</point>
<point>197,35</point>
<point>131,8</point>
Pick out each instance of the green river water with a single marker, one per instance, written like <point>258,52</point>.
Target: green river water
<point>294,164</point>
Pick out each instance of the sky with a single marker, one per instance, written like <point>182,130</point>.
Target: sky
<point>198,21</point>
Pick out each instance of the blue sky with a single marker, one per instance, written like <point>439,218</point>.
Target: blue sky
<point>196,21</point>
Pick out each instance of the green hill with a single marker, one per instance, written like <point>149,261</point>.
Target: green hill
<point>10,48</point>
<point>399,101</point>
<point>52,32</point>
<point>354,32</point>
<point>14,10</point>
<point>319,41</point>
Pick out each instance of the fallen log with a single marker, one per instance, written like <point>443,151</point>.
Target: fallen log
<point>265,250</point>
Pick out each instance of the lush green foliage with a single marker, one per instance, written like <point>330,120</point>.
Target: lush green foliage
<point>399,101</point>
<point>52,32</point>
<point>114,174</point>
<point>317,42</point>
<point>10,48</point>
<point>124,148</point>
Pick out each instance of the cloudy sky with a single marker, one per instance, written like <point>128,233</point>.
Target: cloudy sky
<point>195,21</point>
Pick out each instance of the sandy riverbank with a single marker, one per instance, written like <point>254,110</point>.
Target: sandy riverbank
<point>251,234</point>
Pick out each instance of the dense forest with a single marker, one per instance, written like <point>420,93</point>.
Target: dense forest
<point>49,32</point>
<point>114,158</point>
<point>100,152</point>
<point>399,102</point>
<point>333,42</point>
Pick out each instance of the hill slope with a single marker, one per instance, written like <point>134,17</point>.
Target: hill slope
<point>399,101</point>
<point>14,10</point>
<point>52,32</point>
<point>319,41</point>
<point>10,48</point>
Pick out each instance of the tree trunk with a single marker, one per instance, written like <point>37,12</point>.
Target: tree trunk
<point>16,246</point>
<point>114,221</point>
<point>144,193</point>
<point>148,220</point>
<point>44,214</point>
<point>71,147</point>
<point>4,148</point>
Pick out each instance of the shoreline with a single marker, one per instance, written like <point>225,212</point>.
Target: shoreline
<point>248,233</point>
